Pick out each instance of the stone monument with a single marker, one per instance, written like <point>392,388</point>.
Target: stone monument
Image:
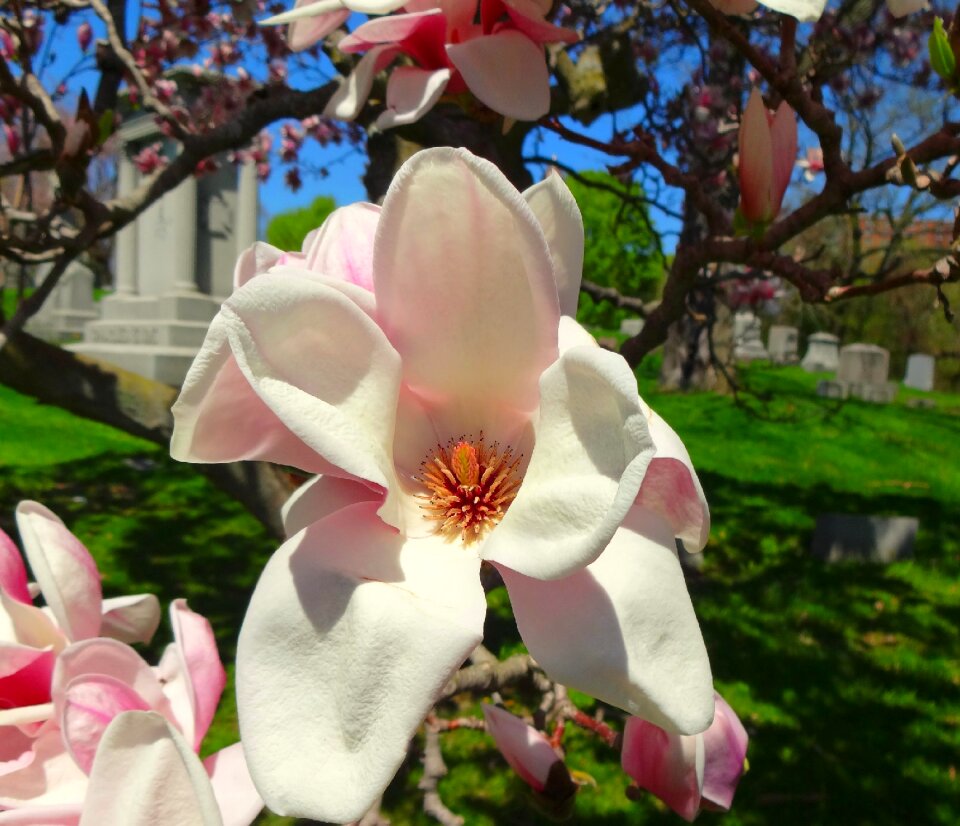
<point>173,265</point>
<point>920,371</point>
<point>822,354</point>
<point>68,308</point>
<point>748,345</point>
<point>864,369</point>
<point>631,326</point>
<point>782,344</point>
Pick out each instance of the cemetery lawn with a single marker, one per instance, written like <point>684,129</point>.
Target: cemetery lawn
<point>846,676</point>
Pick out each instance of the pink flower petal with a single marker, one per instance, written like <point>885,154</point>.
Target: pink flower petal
<point>527,750</point>
<point>302,34</point>
<point>783,138</point>
<point>130,619</point>
<point>52,778</point>
<point>411,93</point>
<point>66,572</point>
<point>669,766</point>
<point>351,634</point>
<point>343,247</point>
<point>527,16</point>
<point>320,497</point>
<point>13,574</point>
<point>725,749</point>
<point>507,71</point>
<point>90,703</point>
<point>756,161</point>
<point>623,629</point>
<point>348,101</point>
<point>25,675</point>
<point>236,795</point>
<point>66,815</point>
<point>254,261</point>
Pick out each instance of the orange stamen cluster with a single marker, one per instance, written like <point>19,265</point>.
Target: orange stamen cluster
<point>470,485</point>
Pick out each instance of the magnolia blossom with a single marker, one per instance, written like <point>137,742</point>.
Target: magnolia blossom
<point>423,359</point>
<point>688,773</point>
<point>61,684</point>
<point>492,48</point>
<point>32,638</point>
<point>812,164</point>
<point>529,753</point>
<point>767,150</point>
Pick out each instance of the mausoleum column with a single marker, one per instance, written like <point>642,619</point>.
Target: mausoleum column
<point>247,206</point>
<point>125,251</point>
<point>182,202</point>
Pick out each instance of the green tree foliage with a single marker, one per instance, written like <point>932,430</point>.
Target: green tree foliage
<point>622,249</point>
<point>288,229</point>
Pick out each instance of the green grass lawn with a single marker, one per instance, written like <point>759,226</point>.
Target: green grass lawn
<point>846,676</point>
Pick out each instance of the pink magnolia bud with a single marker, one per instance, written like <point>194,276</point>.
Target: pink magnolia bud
<point>84,36</point>
<point>527,750</point>
<point>768,149</point>
<point>688,773</point>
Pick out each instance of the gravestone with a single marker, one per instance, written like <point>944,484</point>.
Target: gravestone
<point>173,266</point>
<point>748,344</point>
<point>782,344</point>
<point>840,537</point>
<point>828,389</point>
<point>865,368</point>
<point>920,370</point>
<point>68,308</point>
<point>822,354</point>
<point>631,326</point>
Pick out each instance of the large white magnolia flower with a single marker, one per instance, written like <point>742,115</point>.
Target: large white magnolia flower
<point>423,359</point>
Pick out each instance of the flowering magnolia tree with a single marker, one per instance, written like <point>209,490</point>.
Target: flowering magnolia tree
<point>419,361</point>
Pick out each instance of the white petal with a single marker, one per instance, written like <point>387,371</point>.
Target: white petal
<point>66,572</point>
<point>302,34</point>
<point>319,497</point>
<point>145,774</point>
<point>334,385</point>
<point>623,630</point>
<point>671,487</point>
<point>64,815</point>
<point>130,619</point>
<point>254,261</point>
<point>506,71</point>
<point>591,452</point>
<point>411,93</point>
<point>24,715</point>
<point>351,634</point>
<point>348,100</point>
<point>236,795</point>
<point>806,11</point>
<point>559,216</point>
<point>572,334</point>
<point>475,322</point>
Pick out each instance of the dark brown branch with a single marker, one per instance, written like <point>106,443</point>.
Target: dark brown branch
<point>626,302</point>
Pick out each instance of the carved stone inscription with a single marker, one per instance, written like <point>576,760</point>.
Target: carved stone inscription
<point>124,334</point>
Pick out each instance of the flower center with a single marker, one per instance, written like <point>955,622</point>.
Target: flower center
<point>470,485</point>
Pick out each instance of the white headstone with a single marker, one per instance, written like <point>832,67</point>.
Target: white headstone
<point>822,354</point>
<point>68,308</point>
<point>863,364</point>
<point>748,345</point>
<point>920,370</point>
<point>782,344</point>
<point>631,326</point>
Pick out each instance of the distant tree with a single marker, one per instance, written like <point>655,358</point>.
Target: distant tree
<point>622,248</point>
<point>288,229</point>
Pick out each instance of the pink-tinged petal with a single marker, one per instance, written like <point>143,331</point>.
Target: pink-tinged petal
<point>52,778</point>
<point>340,416</point>
<point>351,634</point>
<point>25,675</point>
<point>725,749</point>
<point>144,774</point>
<point>420,35</point>
<point>205,674</point>
<point>16,751</point>
<point>66,815</point>
<point>236,795</point>
<point>28,625</point>
<point>130,619</point>
<point>303,33</point>
<point>66,572</point>
<point>527,16</point>
<point>669,766</point>
<point>343,247</point>
<point>13,574</point>
<point>756,161</point>
<point>321,496</point>
<point>623,630</point>
<point>90,703</point>
<point>507,71</point>
<point>562,225</point>
<point>347,102</point>
<point>475,321</point>
<point>254,261</point>
<point>590,454</point>
<point>783,137</point>
<point>411,93</point>
<point>527,750</point>
<point>672,489</point>
<point>112,659</point>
